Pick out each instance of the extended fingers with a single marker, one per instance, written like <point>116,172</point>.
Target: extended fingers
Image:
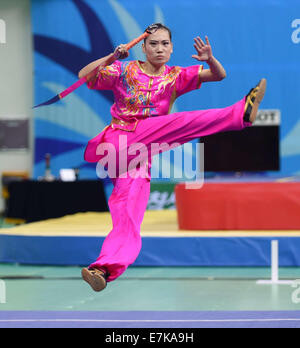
<point>207,41</point>
<point>199,43</point>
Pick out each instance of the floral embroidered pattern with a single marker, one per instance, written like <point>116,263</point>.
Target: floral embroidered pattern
<point>168,80</point>
<point>134,96</point>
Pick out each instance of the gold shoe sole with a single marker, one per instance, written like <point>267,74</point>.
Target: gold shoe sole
<point>97,282</point>
<point>259,97</point>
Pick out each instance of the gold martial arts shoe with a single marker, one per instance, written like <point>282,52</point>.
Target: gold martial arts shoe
<point>95,278</point>
<point>253,99</point>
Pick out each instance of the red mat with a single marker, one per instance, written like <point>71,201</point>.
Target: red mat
<point>239,206</point>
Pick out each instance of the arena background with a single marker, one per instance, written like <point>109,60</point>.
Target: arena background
<point>183,278</point>
<point>252,39</point>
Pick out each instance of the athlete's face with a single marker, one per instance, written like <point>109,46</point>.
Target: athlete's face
<point>158,47</point>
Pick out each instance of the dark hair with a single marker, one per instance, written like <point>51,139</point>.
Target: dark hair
<point>161,26</point>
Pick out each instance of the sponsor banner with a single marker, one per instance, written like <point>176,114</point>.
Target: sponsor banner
<point>268,118</point>
<point>162,196</point>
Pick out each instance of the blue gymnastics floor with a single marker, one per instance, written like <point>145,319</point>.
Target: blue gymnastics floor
<point>141,319</point>
<point>149,297</point>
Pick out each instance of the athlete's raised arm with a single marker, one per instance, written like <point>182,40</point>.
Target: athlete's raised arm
<point>216,71</point>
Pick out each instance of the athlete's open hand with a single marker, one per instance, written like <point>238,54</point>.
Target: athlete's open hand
<point>204,51</point>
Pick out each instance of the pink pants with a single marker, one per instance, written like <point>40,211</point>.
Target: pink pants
<point>129,198</point>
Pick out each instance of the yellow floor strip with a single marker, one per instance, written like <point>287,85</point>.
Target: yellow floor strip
<point>161,223</point>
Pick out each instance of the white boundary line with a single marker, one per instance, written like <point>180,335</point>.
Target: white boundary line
<point>150,321</point>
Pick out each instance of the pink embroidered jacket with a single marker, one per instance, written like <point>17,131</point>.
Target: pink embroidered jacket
<point>139,95</point>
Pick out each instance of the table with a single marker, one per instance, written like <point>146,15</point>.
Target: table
<point>32,200</point>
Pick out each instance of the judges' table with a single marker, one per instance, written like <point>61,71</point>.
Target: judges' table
<point>31,200</point>
<point>239,206</point>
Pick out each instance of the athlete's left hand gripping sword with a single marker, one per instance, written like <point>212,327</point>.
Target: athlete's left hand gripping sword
<point>150,30</point>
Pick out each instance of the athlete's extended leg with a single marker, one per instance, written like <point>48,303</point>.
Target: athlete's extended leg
<point>183,127</point>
